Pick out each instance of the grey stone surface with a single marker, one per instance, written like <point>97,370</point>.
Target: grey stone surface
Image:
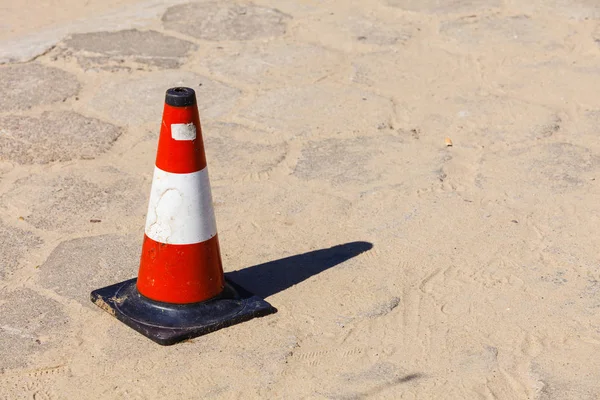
<point>141,100</point>
<point>563,165</point>
<point>67,201</point>
<point>414,72</point>
<point>23,86</point>
<point>15,243</point>
<point>219,21</point>
<point>363,161</point>
<point>553,168</point>
<point>312,110</point>
<point>109,50</point>
<point>445,7</point>
<point>54,136</point>
<point>339,161</point>
<point>552,376</point>
<point>29,324</point>
<point>78,266</point>
<point>278,63</point>
<point>362,33</point>
<point>377,32</point>
<point>230,158</point>
<point>517,29</point>
<point>576,9</point>
<point>499,121</point>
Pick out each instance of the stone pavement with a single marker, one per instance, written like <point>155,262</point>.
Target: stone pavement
<point>324,125</point>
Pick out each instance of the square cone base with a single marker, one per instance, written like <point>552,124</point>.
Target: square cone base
<point>167,323</point>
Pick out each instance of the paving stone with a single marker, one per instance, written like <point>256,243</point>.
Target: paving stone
<point>494,120</point>
<point>576,9</point>
<point>365,160</point>
<point>339,161</point>
<point>78,266</point>
<point>54,136</point>
<point>570,82</point>
<point>426,72</point>
<point>445,7</point>
<point>488,30</point>
<point>357,33</point>
<point>230,158</point>
<point>219,21</point>
<point>330,110</point>
<point>239,133</point>
<point>371,31</point>
<point>551,375</point>
<point>545,170</point>
<point>109,50</point>
<point>29,323</point>
<point>274,64</point>
<point>141,101</point>
<point>440,105</point>
<point>68,200</point>
<point>586,127</point>
<point>15,243</point>
<point>23,86</point>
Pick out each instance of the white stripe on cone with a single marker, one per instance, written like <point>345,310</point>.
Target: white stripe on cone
<point>180,209</point>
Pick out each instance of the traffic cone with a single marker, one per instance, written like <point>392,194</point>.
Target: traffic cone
<point>181,291</point>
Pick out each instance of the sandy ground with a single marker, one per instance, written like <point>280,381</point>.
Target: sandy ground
<point>401,268</point>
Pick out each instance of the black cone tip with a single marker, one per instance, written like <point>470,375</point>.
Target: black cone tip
<point>180,97</point>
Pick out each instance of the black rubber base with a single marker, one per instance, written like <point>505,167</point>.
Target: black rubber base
<point>167,324</point>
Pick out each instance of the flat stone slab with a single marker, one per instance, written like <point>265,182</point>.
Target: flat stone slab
<point>498,121</point>
<point>319,109</point>
<point>23,86</point>
<point>15,243</point>
<point>549,168</point>
<point>445,7</point>
<point>54,136</point>
<point>230,158</point>
<point>358,33</point>
<point>365,161</point>
<point>416,72</point>
<point>219,21</point>
<point>29,324</point>
<point>568,80</point>
<point>78,266</point>
<point>67,201</point>
<point>141,101</point>
<point>382,33</point>
<point>576,9</point>
<point>276,64</point>
<point>114,50</point>
<point>551,375</point>
<point>517,30</point>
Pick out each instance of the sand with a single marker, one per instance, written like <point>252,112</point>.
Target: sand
<point>401,268</point>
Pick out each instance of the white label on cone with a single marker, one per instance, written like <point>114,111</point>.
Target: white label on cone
<point>183,131</point>
<point>180,209</point>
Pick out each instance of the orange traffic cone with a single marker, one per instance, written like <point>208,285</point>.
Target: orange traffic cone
<point>180,291</point>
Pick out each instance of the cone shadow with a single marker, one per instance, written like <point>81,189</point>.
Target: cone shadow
<point>272,277</point>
